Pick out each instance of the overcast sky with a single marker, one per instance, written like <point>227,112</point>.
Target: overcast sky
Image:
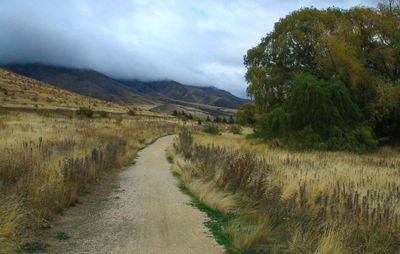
<point>192,42</point>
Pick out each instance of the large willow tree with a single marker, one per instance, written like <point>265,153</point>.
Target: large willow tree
<point>356,52</point>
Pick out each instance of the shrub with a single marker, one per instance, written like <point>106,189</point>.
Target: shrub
<point>2,110</point>
<point>103,114</point>
<point>184,142</point>
<point>3,125</point>
<point>119,120</point>
<point>274,124</point>
<point>85,111</point>
<point>131,112</point>
<point>49,100</point>
<point>69,115</point>
<point>235,129</point>
<point>33,247</point>
<point>44,112</point>
<point>211,129</point>
<point>231,121</point>
<point>246,115</point>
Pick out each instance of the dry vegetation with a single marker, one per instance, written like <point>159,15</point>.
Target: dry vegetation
<point>17,91</point>
<point>21,93</point>
<point>282,201</point>
<point>45,162</point>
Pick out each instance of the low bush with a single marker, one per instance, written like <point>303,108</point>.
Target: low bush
<point>69,115</point>
<point>119,120</point>
<point>85,111</point>
<point>131,112</point>
<point>184,142</point>
<point>211,129</point>
<point>235,129</point>
<point>103,114</point>
<point>2,110</point>
<point>44,112</point>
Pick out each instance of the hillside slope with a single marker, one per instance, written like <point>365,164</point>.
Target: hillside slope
<point>157,94</point>
<point>86,82</point>
<point>17,91</point>
<point>169,90</point>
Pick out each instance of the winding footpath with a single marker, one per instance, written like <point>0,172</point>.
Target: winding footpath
<point>146,214</point>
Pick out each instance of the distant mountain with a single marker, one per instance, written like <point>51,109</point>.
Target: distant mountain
<point>86,82</point>
<point>174,91</point>
<point>155,94</point>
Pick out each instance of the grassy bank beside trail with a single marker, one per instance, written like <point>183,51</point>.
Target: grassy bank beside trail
<point>46,161</point>
<point>217,220</point>
<point>281,201</point>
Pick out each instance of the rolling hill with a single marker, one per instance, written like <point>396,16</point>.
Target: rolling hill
<point>164,96</point>
<point>20,92</point>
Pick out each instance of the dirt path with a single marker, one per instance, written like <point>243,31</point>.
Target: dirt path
<point>145,214</point>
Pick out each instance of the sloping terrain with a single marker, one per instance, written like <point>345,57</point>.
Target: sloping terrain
<point>172,91</point>
<point>86,82</point>
<point>206,100</point>
<point>18,91</point>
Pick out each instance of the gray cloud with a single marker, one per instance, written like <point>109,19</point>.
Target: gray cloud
<point>193,42</point>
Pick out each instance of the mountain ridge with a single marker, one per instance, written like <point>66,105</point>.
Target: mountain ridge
<point>130,92</point>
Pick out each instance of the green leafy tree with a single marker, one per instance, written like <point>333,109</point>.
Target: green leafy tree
<point>319,114</point>
<point>246,114</point>
<point>231,121</point>
<point>217,119</point>
<point>350,63</point>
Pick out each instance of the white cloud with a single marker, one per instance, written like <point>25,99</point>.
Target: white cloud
<point>193,42</point>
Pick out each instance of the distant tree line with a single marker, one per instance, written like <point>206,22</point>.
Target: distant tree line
<point>216,119</point>
<point>327,79</point>
<point>182,114</point>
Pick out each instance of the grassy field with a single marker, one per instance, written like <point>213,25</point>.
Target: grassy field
<point>47,161</point>
<point>282,201</point>
<point>49,155</point>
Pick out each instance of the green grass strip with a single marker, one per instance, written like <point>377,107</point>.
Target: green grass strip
<point>217,220</point>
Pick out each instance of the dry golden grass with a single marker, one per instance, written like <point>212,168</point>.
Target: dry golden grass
<point>206,192</point>
<point>304,201</point>
<point>20,92</point>
<point>45,162</point>
<point>17,91</point>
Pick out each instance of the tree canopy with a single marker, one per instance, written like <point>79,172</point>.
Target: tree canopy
<point>246,115</point>
<point>330,69</point>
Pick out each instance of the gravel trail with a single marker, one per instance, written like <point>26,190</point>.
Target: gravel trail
<point>146,213</point>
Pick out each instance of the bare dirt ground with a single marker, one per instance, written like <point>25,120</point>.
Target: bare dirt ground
<point>139,211</point>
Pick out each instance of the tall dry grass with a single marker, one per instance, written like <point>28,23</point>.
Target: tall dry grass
<point>301,201</point>
<point>45,162</point>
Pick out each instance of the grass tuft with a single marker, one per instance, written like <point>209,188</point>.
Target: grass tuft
<point>33,247</point>
<point>62,236</point>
